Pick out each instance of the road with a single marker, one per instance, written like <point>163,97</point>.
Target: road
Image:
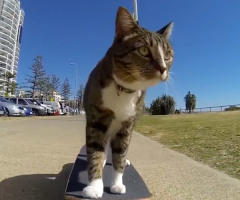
<point>37,154</point>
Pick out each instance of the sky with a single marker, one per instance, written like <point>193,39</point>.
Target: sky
<point>205,39</point>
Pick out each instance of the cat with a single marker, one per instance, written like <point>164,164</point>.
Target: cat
<point>114,96</point>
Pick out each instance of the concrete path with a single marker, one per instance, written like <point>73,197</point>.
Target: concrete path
<point>36,156</point>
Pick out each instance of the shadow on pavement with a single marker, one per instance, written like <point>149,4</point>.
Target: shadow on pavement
<point>36,186</point>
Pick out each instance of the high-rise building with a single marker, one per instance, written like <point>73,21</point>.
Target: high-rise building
<point>11,23</point>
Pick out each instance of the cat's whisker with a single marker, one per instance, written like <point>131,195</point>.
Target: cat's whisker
<point>170,83</point>
<point>131,75</point>
<point>170,80</point>
<point>166,88</point>
<point>171,74</point>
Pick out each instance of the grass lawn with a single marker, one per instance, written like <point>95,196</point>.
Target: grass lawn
<point>212,138</point>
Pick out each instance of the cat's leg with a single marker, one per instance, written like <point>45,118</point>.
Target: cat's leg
<point>119,146</point>
<point>107,149</point>
<point>119,151</point>
<point>95,144</point>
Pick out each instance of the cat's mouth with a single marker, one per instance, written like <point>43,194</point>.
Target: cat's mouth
<point>141,79</point>
<point>163,76</point>
<point>156,76</point>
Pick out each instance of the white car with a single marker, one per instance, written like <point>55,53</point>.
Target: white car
<point>57,106</point>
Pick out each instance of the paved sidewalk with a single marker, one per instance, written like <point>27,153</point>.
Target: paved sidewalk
<point>36,156</point>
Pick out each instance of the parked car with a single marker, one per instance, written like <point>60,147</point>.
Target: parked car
<point>11,109</point>
<point>57,106</point>
<point>2,111</point>
<point>50,110</point>
<point>36,109</point>
<point>82,112</point>
<point>27,111</point>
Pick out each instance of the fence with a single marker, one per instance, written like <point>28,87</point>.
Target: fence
<point>210,109</point>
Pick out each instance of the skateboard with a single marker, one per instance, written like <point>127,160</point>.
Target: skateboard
<point>136,189</point>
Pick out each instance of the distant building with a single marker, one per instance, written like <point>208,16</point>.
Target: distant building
<point>57,97</point>
<point>39,96</point>
<point>11,23</point>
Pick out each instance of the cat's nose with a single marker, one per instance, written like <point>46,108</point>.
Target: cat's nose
<point>159,67</point>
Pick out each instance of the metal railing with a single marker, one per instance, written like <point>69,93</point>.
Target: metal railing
<point>210,109</point>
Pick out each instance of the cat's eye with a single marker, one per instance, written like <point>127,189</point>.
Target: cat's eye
<point>167,58</point>
<point>144,51</point>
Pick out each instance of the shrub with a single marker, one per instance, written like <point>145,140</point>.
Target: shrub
<point>232,108</point>
<point>163,105</point>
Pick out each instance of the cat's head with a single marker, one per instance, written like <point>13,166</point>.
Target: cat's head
<point>141,58</point>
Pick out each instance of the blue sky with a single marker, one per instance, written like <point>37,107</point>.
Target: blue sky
<point>206,41</point>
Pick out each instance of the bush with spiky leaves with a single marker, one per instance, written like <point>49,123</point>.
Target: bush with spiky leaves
<point>163,105</point>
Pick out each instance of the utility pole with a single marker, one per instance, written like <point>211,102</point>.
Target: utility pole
<point>135,14</point>
<point>76,72</point>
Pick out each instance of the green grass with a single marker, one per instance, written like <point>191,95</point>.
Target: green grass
<point>212,138</point>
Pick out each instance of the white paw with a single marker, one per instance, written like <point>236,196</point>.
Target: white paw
<point>127,162</point>
<point>118,189</point>
<point>104,162</point>
<point>92,192</point>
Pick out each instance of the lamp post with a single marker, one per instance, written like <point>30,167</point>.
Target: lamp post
<point>76,72</point>
<point>135,14</point>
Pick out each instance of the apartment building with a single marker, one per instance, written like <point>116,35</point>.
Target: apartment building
<point>11,23</point>
<point>55,96</point>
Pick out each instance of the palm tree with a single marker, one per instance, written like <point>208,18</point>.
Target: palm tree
<point>190,101</point>
<point>8,82</point>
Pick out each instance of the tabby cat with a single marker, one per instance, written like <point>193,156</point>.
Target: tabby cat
<point>114,96</point>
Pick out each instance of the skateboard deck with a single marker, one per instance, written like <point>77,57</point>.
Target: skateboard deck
<point>136,189</point>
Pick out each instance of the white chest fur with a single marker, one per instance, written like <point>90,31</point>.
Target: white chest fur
<point>123,105</point>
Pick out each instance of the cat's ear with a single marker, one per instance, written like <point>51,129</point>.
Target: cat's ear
<point>125,24</point>
<point>166,31</point>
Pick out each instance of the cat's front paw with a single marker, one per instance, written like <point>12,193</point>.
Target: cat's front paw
<point>127,162</point>
<point>92,192</point>
<point>118,189</point>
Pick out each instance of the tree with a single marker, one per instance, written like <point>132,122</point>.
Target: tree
<point>2,82</point>
<point>44,86</point>
<point>13,87</point>
<point>54,82</point>
<point>66,89</point>
<point>36,79</point>
<point>80,94</point>
<point>190,101</point>
<point>163,105</point>
<point>8,83</point>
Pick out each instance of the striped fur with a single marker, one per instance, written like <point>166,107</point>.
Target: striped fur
<point>136,60</point>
